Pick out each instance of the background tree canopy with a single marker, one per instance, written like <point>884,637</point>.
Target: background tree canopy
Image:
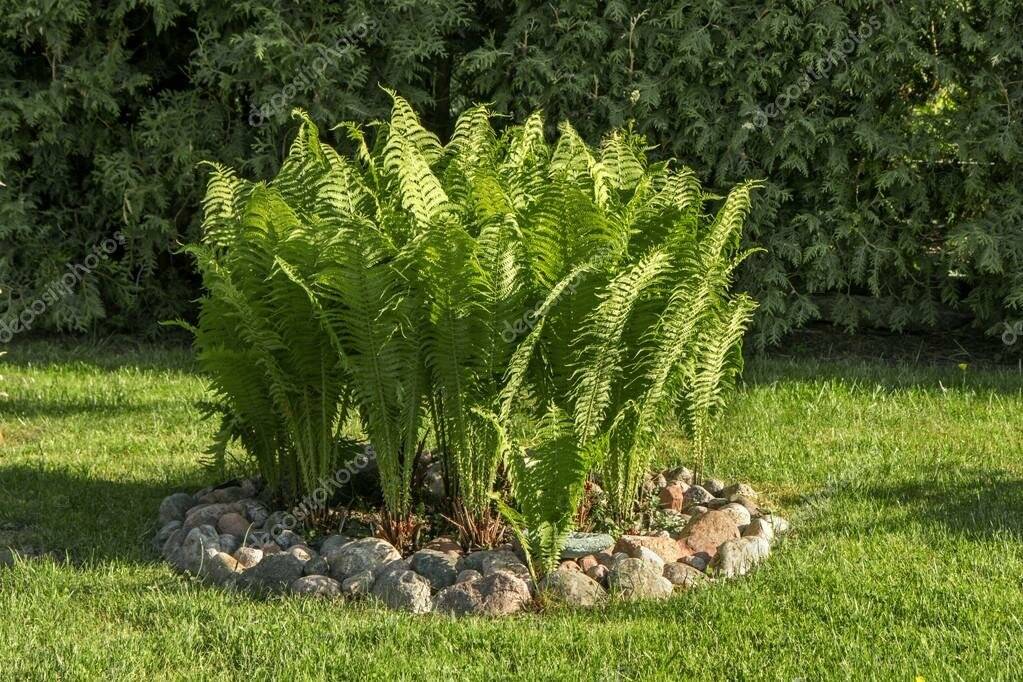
<point>889,133</point>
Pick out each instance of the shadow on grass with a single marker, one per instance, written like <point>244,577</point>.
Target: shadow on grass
<point>70,514</point>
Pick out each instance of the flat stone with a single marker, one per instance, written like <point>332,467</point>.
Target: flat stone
<point>683,575</point>
<point>439,568</point>
<point>706,532</point>
<point>738,557</point>
<point>572,587</point>
<point>581,544</point>
<point>632,579</point>
<point>365,554</point>
<point>316,586</point>
<point>404,591</point>
<point>175,507</point>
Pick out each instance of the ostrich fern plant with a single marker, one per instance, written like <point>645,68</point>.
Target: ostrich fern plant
<point>545,307</point>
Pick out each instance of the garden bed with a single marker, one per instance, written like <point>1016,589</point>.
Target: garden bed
<point>695,535</point>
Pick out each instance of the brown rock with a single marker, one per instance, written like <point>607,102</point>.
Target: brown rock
<point>673,497</point>
<point>587,562</point>
<point>662,546</point>
<point>598,573</point>
<point>233,523</point>
<point>605,558</point>
<point>569,565</point>
<point>706,532</point>
<point>443,544</point>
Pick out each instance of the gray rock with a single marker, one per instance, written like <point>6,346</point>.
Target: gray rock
<point>233,523</point>
<point>468,575</point>
<point>229,543</point>
<point>332,544</point>
<point>714,486</point>
<point>403,591</point>
<point>682,474</point>
<point>365,554</point>
<point>8,557</point>
<point>739,513</point>
<point>316,566</point>
<point>632,579</point>
<point>460,599</point>
<point>759,528</point>
<point>738,557</point>
<point>433,482</point>
<point>274,574</point>
<point>649,556</point>
<point>700,561</point>
<point>502,593</point>
<point>287,539</point>
<point>778,524</point>
<point>358,585</point>
<point>206,515</point>
<point>173,543</point>
<point>175,507</point>
<point>162,535</point>
<point>190,555</point>
<point>581,544</point>
<point>572,587</point>
<point>253,510</point>
<point>219,568</point>
<point>504,561</point>
<point>316,586</point>
<point>737,490</point>
<point>683,575</point>
<point>697,494</point>
<point>248,556</point>
<point>716,503</point>
<point>302,552</point>
<point>598,573</point>
<point>439,568</point>
<point>257,538</point>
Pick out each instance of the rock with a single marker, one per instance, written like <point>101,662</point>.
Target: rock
<point>269,548</point>
<point>617,558</point>
<point>581,544</point>
<point>778,524</point>
<point>462,598</point>
<point>468,575</point>
<point>694,510</point>
<point>287,539</point>
<point>257,538</point>
<point>633,579</point>
<point>651,557</point>
<point>673,496</point>
<point>502,593</point>
<point>317,565</point>
<point>759,528</point>
<point>605,558</point>
<point>175,507</point>
<point>680,475</point>
<point>716,503</point>
<point>740,515</point>
<point>205,515</point>
<point>395,566</point>
<point>714,486</point>
<point>683,575</point>
<point>706,532</point>
<point>439,568</point>
<point>569,565</point>
<point>332,544</point>
<point>738,489</point>
<point>748,503</point>
<point>276,522</point>
<point>433,482</point>
<point>572,587</point>
<point>587,562</point>
<point>7,557</point>
<point>316,586</point>
<point>302,552</point>
<point>233,523</point>
<point>666,548</point>
<point>248,557</point>
<point>229,543</point>
<point>219,568</point>
<point>446,545</point>
<point>737,557</point>
<point>696,495</point>
<point>274,574</point>
<point>190,555</point>
<point>489,562</point>
<point>365,554</point>
<point>700,561</point>
<point>162,535</point>
<point>173,544</point>
<point>358,585</point>
<point>659,481</point>
<point>598,573</point>
<point>229,494</point>
<point>404,591</point>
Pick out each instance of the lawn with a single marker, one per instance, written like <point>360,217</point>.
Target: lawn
<point>904,483</point>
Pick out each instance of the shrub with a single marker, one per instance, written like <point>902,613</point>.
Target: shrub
<point>387,285</point>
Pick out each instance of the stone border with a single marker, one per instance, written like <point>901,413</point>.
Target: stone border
<point>227,537</point>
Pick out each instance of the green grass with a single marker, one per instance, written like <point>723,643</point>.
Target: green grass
<point>904,483</point>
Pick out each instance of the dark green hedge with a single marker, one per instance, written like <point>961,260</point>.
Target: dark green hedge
<point>889,133</point>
